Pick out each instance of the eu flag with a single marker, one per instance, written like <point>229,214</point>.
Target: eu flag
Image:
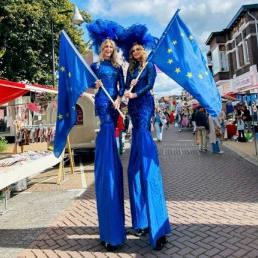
<point>179,56</point>
<point>75,76</point>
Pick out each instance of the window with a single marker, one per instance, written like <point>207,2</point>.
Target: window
<point>237,56</point>
<point>224,61</point>
<point>219,59</point>
<point>246,52</point>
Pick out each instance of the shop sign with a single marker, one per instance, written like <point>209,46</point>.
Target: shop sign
<point>243,83</point>
<point>226,88</point>
<point>220,89</point>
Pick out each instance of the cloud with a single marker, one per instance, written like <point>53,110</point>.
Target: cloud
<point>202,17</point>
<point>165,86</point>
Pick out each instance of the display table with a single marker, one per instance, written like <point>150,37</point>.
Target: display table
<point>12,174</point>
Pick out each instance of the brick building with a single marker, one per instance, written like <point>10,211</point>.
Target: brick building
<point>233,54</point>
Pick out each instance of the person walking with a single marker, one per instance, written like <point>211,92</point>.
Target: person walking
<point>222,118</point>
<point>167,117</point>
<point>241,129</point>
<point>202,128</point>
<point>108,170</point>
<point>179,121</point>
<point>247,119</point>
<point>121,129</point>
<point>214,127</point>
<point>158,125</point>
<point>147,199</point>
<point>193,121</point>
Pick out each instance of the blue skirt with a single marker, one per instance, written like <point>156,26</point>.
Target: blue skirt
<point>109,187</point>
<point>147,200</point>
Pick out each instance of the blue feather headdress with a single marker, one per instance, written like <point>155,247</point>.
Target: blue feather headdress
<point>137,33</point>
<point>99,30</point>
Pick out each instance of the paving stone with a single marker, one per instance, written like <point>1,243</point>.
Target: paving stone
<point>211,201</point>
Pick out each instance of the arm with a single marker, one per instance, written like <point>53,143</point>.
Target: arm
<point>147,79</point>
<point>121,88</point>
<point>151,75</point>
<point>128,80</point>
<point>121,82</point>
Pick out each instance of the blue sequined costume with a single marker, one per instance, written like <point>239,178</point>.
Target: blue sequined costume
<point>147,200</point>
<point>108,168</point>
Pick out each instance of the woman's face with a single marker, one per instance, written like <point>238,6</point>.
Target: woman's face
<point>108,50</point>
<point>136,52</point>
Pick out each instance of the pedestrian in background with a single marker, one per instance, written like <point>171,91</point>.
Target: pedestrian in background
<point>247,119</point>
<point>241,129</point>
<point>158,125</point>
<point>121,129</point>
<point>202,128</point>
<point>222,118</point>
<point>193,121</point>
<point>214,127</point>
<point>126,123</point>
<point>178,120</point>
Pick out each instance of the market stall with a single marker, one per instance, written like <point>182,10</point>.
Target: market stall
<point>22,166</point>
<point>19,167</point>
<point>12,90</point>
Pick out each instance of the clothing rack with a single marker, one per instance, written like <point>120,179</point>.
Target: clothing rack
<point>40,125</point>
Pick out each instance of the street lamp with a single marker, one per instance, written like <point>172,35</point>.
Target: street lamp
<point>77,19</point>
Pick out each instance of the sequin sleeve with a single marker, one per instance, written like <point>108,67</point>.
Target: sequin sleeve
<point>121,81</point>
<point>128,80</point>
<point>145,82</point>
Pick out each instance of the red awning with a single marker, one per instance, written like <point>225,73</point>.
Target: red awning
<point>12,90</point>
<point>229,96</point>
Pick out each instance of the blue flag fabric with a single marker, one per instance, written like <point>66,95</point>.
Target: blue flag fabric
<point>179,57</point>
<point>75,76</point>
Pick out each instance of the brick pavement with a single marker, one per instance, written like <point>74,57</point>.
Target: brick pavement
<point>211,200</point>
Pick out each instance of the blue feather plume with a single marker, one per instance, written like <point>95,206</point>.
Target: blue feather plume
<point>137,33</point>
<point>99,30</point>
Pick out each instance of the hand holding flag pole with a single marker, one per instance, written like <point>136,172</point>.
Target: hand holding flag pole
<point>137,78</point>
<point>113,102</point>
<point>75,77</point>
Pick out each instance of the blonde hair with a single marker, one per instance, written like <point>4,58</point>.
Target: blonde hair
<point>132,60</point>
<point>113,58</point>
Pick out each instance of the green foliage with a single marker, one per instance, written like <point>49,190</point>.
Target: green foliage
<point>25,33</point>
<point>3,144</point>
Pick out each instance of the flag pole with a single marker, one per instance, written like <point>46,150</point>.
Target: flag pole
<point>60,170</point>
<point>119,111</point>
<point>70,153</point>
<point>90,70</point>
<point>139,75</point>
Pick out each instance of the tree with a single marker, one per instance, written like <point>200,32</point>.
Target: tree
<point>25,38</point>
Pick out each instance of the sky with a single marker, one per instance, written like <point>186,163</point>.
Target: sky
<point>202,17</point>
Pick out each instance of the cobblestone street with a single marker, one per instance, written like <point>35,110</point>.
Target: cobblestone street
<point>212,202</point>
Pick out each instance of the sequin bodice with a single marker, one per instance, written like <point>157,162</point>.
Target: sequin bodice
<point>111,77</point>
<point>113,81</point>
<point>141,108</point>
<point>146,80</point>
